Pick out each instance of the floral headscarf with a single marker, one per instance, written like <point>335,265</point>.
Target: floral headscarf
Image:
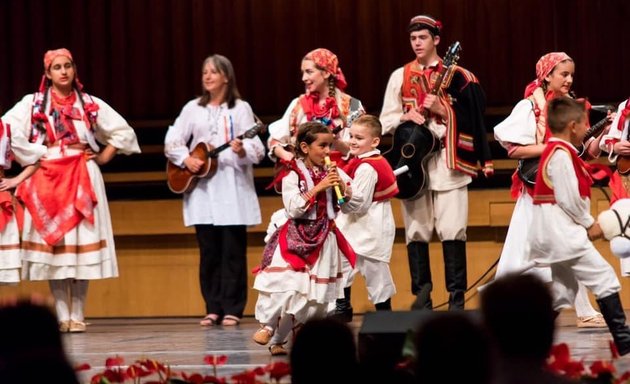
<point>544,67</point>
<point>51,55</point>
<point>324,58</point>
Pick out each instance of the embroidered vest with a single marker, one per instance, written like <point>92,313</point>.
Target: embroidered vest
<point>543,190</point>
<point>386,186</point>
<point>465,139</point>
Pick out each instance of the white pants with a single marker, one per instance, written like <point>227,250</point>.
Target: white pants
<point>378,277</point>
<point>444,211</point>
<point>590,270</point>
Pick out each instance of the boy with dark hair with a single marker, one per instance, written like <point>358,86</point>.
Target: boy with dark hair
<point>562,226</point>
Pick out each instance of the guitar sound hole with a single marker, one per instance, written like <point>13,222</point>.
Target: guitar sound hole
<point>408,151</point>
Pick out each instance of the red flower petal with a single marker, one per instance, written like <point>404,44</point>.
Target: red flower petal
<point>278,369</point>
<point>195,378</point>
<point>214,380</point>
<point>215,360</point>
<point>601,366</point>
<point>82,367</point>
<point>114,361</point>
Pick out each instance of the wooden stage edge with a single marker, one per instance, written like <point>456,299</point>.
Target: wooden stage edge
<point>182,344</point>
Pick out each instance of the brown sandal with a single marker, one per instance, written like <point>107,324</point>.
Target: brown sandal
<point>263,335</point>
<point>278,350</point>
<point>210,320</point>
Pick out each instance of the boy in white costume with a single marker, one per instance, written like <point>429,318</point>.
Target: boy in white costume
<point>371,229</point>
<point>523,134</point>
<point>562,225</point>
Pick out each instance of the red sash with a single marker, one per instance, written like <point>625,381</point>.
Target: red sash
<point>59,196</point>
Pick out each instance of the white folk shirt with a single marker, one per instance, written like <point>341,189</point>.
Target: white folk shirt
<point>229,197</point>
<point>371,228</point>
<point>519,127</point>
<point>441,178</point>
<point>558,231</point>
<point>615,133</point>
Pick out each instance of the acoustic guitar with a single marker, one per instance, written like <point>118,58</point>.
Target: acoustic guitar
<point>528,168</point>
<point>181,180</point>
<point>413,144</point>
<point>623,165</point>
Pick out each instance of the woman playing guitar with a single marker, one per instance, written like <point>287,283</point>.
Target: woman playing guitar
<point>220,208</point>
<point>524,134</point>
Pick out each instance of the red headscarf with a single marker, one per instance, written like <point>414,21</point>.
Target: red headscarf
<point>49,57</point>
<point>544,67</point>
<point>327,60</point>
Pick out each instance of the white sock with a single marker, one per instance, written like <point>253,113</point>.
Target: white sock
<point>60,290</point>
<point>283,330</point>
<point>78,292</point>
<point>583,306</point>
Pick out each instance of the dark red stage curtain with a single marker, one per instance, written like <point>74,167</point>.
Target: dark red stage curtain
<point>144,56</point>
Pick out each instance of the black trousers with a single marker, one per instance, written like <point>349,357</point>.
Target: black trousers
<point>223,268</point>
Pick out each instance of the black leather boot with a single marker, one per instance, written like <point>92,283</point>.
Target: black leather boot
<point>384,305</point>
<point>616,320</point>
<point>455,272</point>
<point>343,308</point>
<point>420,270</point>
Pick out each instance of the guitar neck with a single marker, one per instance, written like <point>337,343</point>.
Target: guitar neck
<point>596,129</point>
<point>215,152</point>
<point>436,86</point>
<point>438,81</point>
<point>248,134</point>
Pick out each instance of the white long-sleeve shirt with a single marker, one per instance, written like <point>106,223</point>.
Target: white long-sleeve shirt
<point>370,229</point>
<point>558,231</point>
<point>229,197</point>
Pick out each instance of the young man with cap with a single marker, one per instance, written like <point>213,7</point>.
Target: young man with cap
<point>455,117</point>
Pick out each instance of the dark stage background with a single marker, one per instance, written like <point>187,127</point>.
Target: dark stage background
<point>144,56</point>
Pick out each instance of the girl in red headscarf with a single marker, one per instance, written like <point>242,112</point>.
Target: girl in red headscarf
<point>324,100</point>
<point>67,237</point>
<point>524,134</point>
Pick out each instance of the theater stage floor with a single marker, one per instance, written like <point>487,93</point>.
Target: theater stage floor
<point>182,343</point>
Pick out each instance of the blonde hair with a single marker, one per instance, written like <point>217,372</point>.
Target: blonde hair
<point>372,123</point>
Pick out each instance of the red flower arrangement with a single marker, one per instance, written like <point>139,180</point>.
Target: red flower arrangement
<point>155,372</point>
<point>601,371</point>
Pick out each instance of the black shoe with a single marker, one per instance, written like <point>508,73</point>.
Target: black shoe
<point>616,320</point>
<point>384,306</point>
<point>343,307</point>
<point>344,315</point>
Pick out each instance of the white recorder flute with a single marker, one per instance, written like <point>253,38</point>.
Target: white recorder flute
<point>340,199</point>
